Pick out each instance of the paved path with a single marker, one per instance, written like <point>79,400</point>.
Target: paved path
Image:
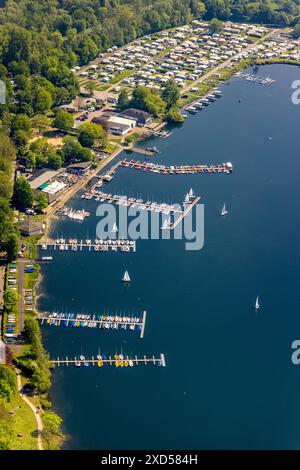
<point>80,184</point>
<point>35,411</point>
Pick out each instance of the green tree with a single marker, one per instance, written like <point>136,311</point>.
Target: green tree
<point>148,100</point>
<point>215,26</point>
<point>12,245</point>
<point>41,122</point>
<point>23,194</point>
<point>55,160</point>
<point>91,134</point>
<point>63,120</point>
<point>21,122</point>
<point>51,431</point>
<point>297,30</point>
<point>8,385</point>
<point>41,201</point>
<point>171,94</point>
<point>123,100</point>
<point>11,298</point>
<point>74,151</point>
<point>41,380</point>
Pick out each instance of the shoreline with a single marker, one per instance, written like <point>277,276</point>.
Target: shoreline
<point>50,217</point>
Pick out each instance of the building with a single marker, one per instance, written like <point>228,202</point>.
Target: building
<point>30,227</point>
<point>41,177</point>
<point>142,118</point>
<point>79,168</point>
<point>44,180</point>
<point>52,190</point>
<point>114,124</point>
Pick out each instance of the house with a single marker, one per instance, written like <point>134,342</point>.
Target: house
<point>79,168</point>
<point>114,124</point>
<point>30,227</point>
<point>141,117</point>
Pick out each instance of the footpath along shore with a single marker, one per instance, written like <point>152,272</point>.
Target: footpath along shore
<point>80,184</point>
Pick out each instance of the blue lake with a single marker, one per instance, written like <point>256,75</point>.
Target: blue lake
<point>229,381</point>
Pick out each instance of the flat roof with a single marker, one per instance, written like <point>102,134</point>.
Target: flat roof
<point>41,177</point>
<point>121,120</point>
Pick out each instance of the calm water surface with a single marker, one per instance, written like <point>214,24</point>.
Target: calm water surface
<point>229,382</point>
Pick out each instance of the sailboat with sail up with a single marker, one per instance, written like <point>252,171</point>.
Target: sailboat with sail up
<point>115,228</point>
<point>126,277</point>
<point>224,211</point>
<point>191,193</point>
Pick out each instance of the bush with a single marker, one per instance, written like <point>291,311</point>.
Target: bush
<point>8,383</point>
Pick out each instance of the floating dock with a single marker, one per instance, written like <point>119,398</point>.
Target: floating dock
<point>134,202</point>
<point>255,78</point>
<point>105,322</point>
<point>118,360</point>
<point>225,168</point>
<point>62,244</point>
<point>141,150</point>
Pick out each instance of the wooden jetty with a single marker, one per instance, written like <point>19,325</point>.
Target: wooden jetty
<point>116,360</point>
<point>106,322</point>
<point>96,245</point>
<point>185,213</point>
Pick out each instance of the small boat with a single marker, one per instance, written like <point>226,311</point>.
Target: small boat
<point>191,193</point>
<point>115,228</point>
<point>257,304</point>
<point>166,224</point>
<point>224,211</point>
<point>187,198</point>
<point>126,277</point>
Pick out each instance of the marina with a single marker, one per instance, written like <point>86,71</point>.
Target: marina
<point>203,302</point>
<point>225,168</point>
<point>104,321</point>
<point>72,244</point>
<point>139,204</point>
<point>251,77</point>
<point>118,360</point>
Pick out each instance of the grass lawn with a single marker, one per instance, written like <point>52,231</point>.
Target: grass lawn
<point>23,423</point>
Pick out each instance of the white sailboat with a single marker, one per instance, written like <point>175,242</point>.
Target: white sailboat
<point>166,224</point>
<point>224,211</point>
<point>126,277</point>
<point>115,228</point>
<point>187,198</point>
<point>191,193</point>
<point>257,304</point>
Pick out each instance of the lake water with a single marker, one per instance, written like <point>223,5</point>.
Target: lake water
<point>229,381</point>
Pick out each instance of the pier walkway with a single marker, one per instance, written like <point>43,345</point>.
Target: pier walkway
<point>116,360</point>
<point>105,322</point>
<point>226,168</point>
<point>184,213</point>
<point>139,204</point>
